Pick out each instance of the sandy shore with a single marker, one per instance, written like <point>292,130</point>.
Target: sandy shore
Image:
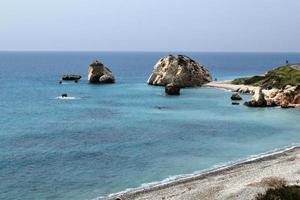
<point>239,181</point>
<point>229,86</point>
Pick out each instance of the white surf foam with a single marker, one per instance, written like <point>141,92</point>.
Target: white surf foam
<point>67,98</point>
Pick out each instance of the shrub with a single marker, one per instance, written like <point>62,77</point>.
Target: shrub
<point>281,193</point>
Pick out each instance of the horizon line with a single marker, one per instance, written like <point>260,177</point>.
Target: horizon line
<point>138,51</point>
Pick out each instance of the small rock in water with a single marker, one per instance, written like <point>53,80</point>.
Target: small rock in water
<point>71,77</point>
<point>236,97</point>
<point>235,103</point>
<point>161,107</point>
<point>76,81</point>
<point>60,82</point>
<point>172,89</point>
<point>64,95</point>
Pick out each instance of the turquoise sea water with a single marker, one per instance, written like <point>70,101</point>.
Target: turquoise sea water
<point>112,137</point>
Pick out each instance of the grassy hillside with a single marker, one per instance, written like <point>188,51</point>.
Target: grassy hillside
<point>278,78</point>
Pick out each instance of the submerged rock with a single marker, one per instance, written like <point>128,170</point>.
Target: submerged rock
<point>71,77</point>
<point>64,95</point>
<point>235,103</point>
<point>98,73</point>
<point>236,97</point>
<point>172,89</point>
<point>180,70</point>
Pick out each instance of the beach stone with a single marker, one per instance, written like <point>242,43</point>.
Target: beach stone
<point>180,70</point>
<point>236,97</point>
<point>98,73</point>
<point>172,89</point>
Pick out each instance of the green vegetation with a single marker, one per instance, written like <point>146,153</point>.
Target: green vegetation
<point>278,78</point>
<point>281,193</point>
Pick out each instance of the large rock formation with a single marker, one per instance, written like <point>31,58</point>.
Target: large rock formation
<point>98,73</point>
<point>179,70</point>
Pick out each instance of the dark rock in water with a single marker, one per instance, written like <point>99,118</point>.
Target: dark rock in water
<point>64,95</point>
<point>60,82</point>
<point>98,73</point>
<point>76,81</point>
<point>172,89</point>
<point>236,97</point>
<point>180,70</point>
<point>106,79</point>
<point>71,77</point>
<point>235,103</point>
<point>285,106</point>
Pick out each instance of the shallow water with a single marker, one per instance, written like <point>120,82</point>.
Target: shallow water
<point>106,138</point>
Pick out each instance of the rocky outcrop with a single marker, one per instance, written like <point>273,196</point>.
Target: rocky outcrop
<point>288,97</point>
<point>296,99</point>
<point>179,70</point>
<point>236,97</point>
<point>172,89</point>
<point>98,73</point>
<point>71,77</point>
<point>258,99</point>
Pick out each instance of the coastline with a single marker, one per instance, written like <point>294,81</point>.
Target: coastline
<point>239,180</point>
<point>227,85</point>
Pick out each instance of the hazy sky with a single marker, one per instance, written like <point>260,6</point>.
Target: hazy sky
<point>150,25</point>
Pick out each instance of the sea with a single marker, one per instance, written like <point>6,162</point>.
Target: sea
<point>104,139</point>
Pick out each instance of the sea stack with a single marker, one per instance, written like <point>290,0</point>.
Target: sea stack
<point>179,70</point>
<point>98,73</point>
<point>258,99</point>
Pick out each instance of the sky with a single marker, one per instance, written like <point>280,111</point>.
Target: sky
<point>150,25</point>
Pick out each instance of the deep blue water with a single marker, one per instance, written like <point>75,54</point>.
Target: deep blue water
<point>113,137</point>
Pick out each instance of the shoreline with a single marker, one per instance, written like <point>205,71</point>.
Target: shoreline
<point>200,185</point>
<point>227,85</point>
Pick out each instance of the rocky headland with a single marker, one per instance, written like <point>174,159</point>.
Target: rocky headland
<point>98,73</point>
<point>179,70</point>
<point>278,87</point>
